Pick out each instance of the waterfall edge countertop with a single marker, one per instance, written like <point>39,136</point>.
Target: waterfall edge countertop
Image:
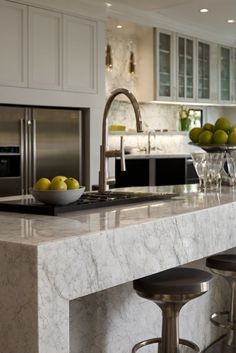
<point>47,261</point>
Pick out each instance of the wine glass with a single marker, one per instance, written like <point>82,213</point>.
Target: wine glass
<point>214,166</point>
<point>199,162</point>
<point>231,165</point>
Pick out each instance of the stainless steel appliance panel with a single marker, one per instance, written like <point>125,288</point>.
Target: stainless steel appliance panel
<point>10,125</point>
<point>10,135</point>
<point>55,140</point>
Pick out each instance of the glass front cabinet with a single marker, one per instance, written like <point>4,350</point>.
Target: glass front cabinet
<point>203,71</point>
<point>185,69</point>
<point>225,74</point>
<point>165,85</point>
<point>193,70</point>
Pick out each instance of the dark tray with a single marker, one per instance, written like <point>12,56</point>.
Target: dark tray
<point>88,200</point>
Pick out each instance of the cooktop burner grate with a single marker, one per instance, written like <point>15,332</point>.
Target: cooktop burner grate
<point>88,200</point>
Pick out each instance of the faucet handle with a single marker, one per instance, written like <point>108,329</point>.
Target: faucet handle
<point>122,154</point>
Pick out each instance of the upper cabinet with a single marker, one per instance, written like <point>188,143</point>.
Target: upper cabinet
<point>44,49</point>
<point>165,59</point>
<point>13,39</point>
<point>48,50</point>
<point>225,74</point>
<point>79,54</point>
<point>203,67</point>
<point>185,68</point>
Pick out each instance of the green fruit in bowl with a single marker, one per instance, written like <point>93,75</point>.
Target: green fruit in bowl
<point>208,126</point>
<point>42,184</point>
<point>220,137</point>
<point>194,134</point>
<point>233,128</point>
<point>72,183</point>
<point>205,138</point>
<point>58,184</point>
<point>232,138</point>
<point>222,124</point>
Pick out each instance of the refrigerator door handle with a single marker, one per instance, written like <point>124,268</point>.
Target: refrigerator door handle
<point>29,132</point>
<point>26,153</point>
<point>22,157</point>
<point>33,149</point>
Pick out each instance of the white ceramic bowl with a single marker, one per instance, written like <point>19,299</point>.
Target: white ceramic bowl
<point>58,197</point>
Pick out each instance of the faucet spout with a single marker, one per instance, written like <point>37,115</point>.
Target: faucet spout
<point>104,153</point>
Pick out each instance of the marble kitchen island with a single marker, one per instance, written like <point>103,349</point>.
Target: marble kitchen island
<point>47,263</point>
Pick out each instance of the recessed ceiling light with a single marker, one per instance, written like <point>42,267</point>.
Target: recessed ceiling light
<point>108,4</point>
<point>119,26</point>
<point>231,21</point>
<point>204,10</point>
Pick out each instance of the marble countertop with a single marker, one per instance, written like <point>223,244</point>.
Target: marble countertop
<point>36,230</point>
<point>46,262</point>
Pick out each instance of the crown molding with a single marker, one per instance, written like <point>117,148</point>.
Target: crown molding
<point>160,21</point>
<point>85,8</point>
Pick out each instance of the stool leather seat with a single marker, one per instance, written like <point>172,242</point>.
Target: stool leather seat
<point>171,290</point>
<point>176,281</point>
<point>224,265</point>
<point>224,262</point>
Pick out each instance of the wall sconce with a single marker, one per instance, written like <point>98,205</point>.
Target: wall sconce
<point>132,63</point>
<point>109,61</point>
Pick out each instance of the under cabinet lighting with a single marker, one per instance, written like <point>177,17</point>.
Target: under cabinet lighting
<point>231,21</point>
<point>119,26</point>
<point>108,4</point>
<point>204,10</point>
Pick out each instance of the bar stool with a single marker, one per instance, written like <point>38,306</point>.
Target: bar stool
<point>225,266</point>
<point>170,290</point>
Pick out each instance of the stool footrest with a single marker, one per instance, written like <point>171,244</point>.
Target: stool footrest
<point>215,316</point>
<point>183,342</point>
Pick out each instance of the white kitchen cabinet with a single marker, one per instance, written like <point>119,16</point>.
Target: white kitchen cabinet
<point>233,75</point>
<point>225,55</point>
<point>207,73</point>
<point>79,54</point>
<point>165,66</point>
<point>13,35</point>
<point>186,72</point>
<point>44,49</point>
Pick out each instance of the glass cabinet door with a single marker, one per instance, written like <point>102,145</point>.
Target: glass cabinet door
<point>164,87</point>
<point>185,68</point>
<point>224,74</point>
<point>203,70</point>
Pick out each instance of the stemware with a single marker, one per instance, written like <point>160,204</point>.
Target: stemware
<point>214,166</point>
<point>199,162</point>
<point>231,166</point>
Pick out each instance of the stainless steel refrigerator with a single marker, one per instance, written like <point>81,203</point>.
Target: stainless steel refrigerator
<point>38,142</point>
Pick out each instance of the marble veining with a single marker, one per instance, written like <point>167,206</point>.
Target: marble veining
<point>47,262</point>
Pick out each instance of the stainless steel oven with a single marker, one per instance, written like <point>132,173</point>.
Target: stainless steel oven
<point>10,170</point>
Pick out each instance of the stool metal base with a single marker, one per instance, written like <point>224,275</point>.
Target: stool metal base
<point>183,342</point>
<point>220,346</point>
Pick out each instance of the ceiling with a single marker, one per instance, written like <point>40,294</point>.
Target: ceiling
<point>186,12</point>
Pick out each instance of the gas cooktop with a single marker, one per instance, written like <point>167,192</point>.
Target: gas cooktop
<point>88,200</point>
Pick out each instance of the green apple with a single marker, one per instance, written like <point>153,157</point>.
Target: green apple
<point>58,185</point>
<point>42,184</point>
<point>72,183</point>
